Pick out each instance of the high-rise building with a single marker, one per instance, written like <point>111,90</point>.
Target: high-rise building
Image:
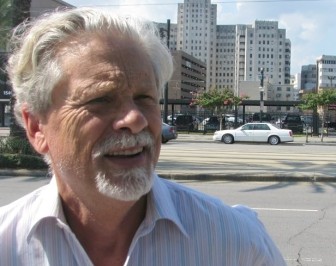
<point>196,32</point>
<point>308,78</point>
<point>38,7</point>
<point>326,80</point>
<point>326,72</point>
<point>234,53</point>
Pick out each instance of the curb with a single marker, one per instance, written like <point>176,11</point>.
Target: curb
<point>23,172</point>
<point>249,177</point>
<point>238,177</point>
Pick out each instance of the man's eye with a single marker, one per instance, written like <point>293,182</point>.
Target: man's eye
<point>100,100</point>
<point>146,98</point>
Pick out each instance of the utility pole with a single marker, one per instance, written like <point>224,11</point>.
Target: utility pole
<point>261,93</point>
<point>331,78</point>
<point>165,93</point>
<point>315,113</point>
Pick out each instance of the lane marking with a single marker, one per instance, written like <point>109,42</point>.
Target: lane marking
<point>291,210</point>
<point>305,259</point>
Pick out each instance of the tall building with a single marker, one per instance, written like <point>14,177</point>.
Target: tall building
<point>189,77</point>
<point>196,32</point>
<point>225,73</point>
<point>326,79</point>
<point>326,72</point>
<point>38,7</point>
<point>235,53</point>
<point>308,78</point>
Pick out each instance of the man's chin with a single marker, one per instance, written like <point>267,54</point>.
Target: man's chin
<point>125,185</point>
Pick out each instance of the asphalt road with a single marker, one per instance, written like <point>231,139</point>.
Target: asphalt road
<point>199,157</point>
<point>300,216</point>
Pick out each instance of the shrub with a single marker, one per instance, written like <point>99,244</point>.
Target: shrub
<point>22,161</point>
<point>16,145</point>
<point>17,152</point>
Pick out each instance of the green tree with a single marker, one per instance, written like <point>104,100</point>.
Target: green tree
<point>319,101</point>
<point>20,11</point>
<point>5,22</point>
<point>218,101</point>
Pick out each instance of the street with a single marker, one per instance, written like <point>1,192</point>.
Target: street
<point>300,216</point>
<point>199,156</point>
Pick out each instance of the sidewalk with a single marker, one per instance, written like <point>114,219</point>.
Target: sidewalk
<point>189,167</point>
<point>310,140</point>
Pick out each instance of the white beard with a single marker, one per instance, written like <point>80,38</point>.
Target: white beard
<point>129,184</point>
<point>126,185</point>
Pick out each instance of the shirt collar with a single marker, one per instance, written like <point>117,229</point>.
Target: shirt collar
<point>48,205</point>
<point>160,205</point>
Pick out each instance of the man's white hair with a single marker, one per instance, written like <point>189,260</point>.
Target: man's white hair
<point>34,67</point>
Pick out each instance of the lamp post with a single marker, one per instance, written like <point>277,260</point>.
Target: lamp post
<point>261,93</point>
<point>331,78</point>
<point>165,93</point>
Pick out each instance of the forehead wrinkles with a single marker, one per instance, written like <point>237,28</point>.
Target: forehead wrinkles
<point>104,62</point>
<point>97,83</point>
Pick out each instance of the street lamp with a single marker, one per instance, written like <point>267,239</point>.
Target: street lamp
<point>331,78</point>
<point>261,93</point>
<point>165,91</point>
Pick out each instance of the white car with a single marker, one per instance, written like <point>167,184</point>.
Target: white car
<point>230,118</point>
<point>255,132</point>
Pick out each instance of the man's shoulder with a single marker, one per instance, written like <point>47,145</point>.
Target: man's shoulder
<point>21,208</point>
<point>190,200</point>
<point>223,226</point>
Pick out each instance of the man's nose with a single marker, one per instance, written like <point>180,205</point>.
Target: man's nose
<point>130,117</point>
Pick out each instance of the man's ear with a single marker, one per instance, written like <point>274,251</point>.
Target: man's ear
<point>34,131</point>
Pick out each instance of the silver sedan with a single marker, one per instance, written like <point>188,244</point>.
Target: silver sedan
<point>168,133</point>
<point>255,132</point>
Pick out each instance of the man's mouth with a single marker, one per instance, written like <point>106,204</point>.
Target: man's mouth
<point>126,153</point>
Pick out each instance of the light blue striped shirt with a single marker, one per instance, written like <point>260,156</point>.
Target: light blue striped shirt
<point>181,227</point>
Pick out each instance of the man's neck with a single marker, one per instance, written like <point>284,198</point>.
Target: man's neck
<point>105,227</point>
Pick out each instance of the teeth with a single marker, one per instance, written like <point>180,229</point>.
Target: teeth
<point>126,152</point>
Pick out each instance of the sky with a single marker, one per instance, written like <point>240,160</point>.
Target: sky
<point>310,24</point>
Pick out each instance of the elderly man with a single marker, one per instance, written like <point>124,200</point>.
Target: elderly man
<point>87,88</point>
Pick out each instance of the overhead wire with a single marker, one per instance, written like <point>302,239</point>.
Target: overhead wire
<point>216,2</point>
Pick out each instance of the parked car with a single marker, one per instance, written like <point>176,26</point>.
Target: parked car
<point>230,120</point>
<point>186,123</point>
<point>265,117</point>
<point>168,133</point>
<point>255,132</point>
<point>307,120</point>
<point>211,123</point>
<point>293,122</point>
<point>279,121</point>
<point>172,118</point>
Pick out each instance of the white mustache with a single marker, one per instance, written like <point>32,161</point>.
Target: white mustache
<point>123,141</point>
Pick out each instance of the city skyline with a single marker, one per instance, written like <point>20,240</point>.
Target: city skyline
<point>308,23</point>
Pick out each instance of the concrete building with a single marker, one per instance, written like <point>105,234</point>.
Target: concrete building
<point>326,72</point>
<point>308,78</point>
<point>189,77</point>
<point>326,79</point>
<point>196,33</point>
<point>226,61</point>
<point>264,46</point>
<point>234,53</point>
<point>296,83</point>
<point>38,7</point>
